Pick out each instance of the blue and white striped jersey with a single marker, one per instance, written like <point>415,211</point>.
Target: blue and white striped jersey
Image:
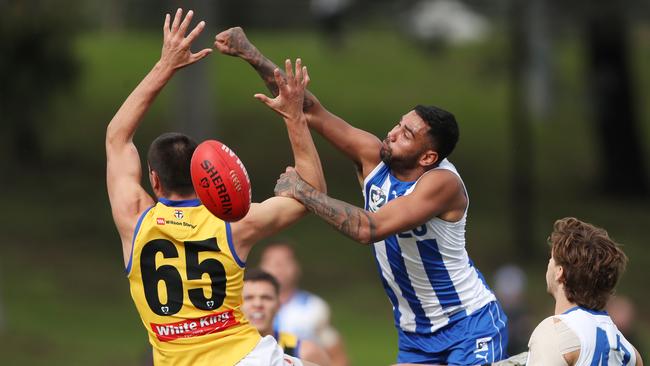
<point>601,343</point>
<point>426,272</point>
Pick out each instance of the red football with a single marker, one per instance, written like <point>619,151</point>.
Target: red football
<point>221,181</point>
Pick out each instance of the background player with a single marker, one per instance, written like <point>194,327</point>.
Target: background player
<point>582,273</point>
<point>261,303</point>
<point>415,214</point>
<point>185,266</point>
<point>301,312</point>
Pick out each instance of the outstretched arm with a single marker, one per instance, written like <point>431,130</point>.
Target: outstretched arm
<point>437,193</point>
<point>276,213</point>
<point>288,105</point>
<point>360,146</point>
<point>127,197</point>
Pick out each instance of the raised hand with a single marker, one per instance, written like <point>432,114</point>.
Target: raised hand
<point>233,42</point>
<point>289,102</point>
<point>176,51</point>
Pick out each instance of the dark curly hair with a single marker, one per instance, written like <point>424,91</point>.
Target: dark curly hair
<point>443,130</point>
<point>592,262</point>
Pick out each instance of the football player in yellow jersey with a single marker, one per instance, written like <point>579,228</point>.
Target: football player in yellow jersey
<point>185,266</point>
<point>261,303</point>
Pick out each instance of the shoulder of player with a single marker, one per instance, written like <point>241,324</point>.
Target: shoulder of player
<point>438,180</point>
<point>553,331</point>
<point>544,328</point>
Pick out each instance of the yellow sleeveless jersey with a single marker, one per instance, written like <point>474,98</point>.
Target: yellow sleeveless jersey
<point>289,343</point>
<point>186,281</point>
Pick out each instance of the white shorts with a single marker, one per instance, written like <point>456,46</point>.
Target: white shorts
<point>268,353</point>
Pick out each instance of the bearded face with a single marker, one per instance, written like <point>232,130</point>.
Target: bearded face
<point>405,144</point>
<point>398,160</point>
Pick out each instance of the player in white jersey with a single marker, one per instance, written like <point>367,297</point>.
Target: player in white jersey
<point>415,214</point>
<point>582,273</point>
<point>302,313</point>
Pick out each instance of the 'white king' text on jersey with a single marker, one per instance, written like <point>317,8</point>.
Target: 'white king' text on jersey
<point>426,272</point>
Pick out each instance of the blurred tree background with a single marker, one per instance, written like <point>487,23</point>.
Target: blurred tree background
<point>550,97</point>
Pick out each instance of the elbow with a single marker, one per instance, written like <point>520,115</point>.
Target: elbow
<point>111,135</point>
<point>365,240</point>
<point>366,236</point>
<point>367,233</point>
<point>115,137</point>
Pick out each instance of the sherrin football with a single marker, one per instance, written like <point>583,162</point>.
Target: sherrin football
<point>221,181</point>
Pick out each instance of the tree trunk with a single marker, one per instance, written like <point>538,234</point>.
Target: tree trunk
<point>195,97</point>
<point>522,142</point>
<point>613,103</point>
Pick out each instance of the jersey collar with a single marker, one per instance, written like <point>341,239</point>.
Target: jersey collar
<point>591,311</point>
<point>180,203</point>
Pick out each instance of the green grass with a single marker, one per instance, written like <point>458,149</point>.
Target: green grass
<point>66,299</point>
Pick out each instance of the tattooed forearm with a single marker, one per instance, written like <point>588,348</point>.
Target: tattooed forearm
<point>352,221</point>
<point>264,68</point>
<point>234,42</point>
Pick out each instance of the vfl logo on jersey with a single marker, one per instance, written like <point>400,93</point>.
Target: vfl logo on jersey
<point>377,198</point>
<point>178,214</point>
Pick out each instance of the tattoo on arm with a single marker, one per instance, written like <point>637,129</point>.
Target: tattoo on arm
<point>348,219</point>
<point>264,68</point>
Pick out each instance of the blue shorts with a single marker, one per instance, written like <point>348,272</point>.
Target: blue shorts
<point>480,338</point>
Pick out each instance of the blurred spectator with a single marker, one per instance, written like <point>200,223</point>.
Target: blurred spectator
<point>301,313</point>
<point>623,313</point>
<point>329,15</point>
<point>261,302</point>
<point>446,21</point>
<point>509,288</point>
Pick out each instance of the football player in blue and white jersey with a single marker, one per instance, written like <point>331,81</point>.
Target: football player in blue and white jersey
<point>414,218</point>
<point>582,273</point>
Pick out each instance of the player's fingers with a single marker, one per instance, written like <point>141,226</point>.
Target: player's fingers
<point>299,70</point>
<point>186,23</point>
<point>305,77</point>
<point>263,98</point>
<point>201,54</point>
<point>166,25</point>
<point>220,38</point>
<point>195,32</point>
<point>287,70</point>
<point>177,20</point>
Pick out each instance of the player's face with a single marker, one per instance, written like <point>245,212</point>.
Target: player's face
<point>281,264</point>
<point>260,305</point>
<point>405,143</point>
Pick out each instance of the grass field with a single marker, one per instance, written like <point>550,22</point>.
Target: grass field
<point>65,299</point>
